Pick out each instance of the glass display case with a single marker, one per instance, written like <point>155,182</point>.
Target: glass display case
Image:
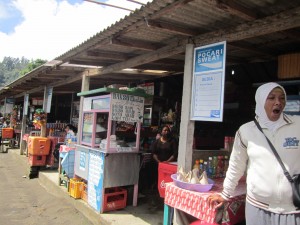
<point>112,122</point>
<point>94,128</point>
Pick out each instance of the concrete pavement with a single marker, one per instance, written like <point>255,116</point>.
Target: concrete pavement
<point>143,214</point>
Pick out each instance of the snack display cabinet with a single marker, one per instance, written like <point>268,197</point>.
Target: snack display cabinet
<point>107,153</point>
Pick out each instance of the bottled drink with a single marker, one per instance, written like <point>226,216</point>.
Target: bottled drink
<point>220,167</point>
<point>226,164</point>
<point>205,167</point>
<point>215,164</point>
<point>210,167</point>
<point>201,166</point>
<point>196,165</point>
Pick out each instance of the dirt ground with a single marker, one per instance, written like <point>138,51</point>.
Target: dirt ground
<point>24,201</point>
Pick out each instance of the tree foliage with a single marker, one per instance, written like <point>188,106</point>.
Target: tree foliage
<point>13,68</point>
<point>32,65</point>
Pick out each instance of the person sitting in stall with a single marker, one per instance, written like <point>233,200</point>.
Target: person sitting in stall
<point>70,133</point>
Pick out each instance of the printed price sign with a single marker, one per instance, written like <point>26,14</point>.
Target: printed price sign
<point>127,108</point>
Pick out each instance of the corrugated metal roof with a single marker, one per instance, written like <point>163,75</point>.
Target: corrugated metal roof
<point>154,37</point>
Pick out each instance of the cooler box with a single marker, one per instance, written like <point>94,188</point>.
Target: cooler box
<point>37,160</point>
<point>165,170</point>
<point>7,132</point>
<point>38,145</point>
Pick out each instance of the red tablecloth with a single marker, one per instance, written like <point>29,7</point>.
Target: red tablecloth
<point>195,203</point>
<point>65,148</point>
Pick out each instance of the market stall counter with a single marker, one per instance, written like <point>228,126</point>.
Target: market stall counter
<point>195,204</point>
<point>107,155</point>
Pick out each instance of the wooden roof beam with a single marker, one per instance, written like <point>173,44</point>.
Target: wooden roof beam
<point>137,44</point>
<point>233,8</point>
<point>271,24</point>
<point>253,48</point>
<point>168,27</point>
<point>107,55</point>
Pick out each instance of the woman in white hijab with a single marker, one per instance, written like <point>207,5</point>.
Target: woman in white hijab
<point>269,193</point>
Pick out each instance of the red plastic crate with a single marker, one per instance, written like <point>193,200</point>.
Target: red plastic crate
<point>84,195</point>
<point>165,170</point>
<point>38,145</point>
<point>7,132</point>
<point>37,160</point>
<point>114,198</point>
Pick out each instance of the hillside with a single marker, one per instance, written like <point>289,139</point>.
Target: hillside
<point>13,68</point>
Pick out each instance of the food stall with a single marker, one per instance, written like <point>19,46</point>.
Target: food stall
<point>107,154</point>
<point>195,204</point>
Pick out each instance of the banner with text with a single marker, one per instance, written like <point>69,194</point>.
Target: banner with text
<point>127,108</point>
<point>208,82</point>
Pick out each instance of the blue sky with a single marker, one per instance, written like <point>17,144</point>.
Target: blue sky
<point>46,29</point>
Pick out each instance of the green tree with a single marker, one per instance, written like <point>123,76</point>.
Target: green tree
<point>32,65</point>
<point>13,68</point>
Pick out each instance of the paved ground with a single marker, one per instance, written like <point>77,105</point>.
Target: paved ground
<point>25,201</point>
<point>42,201</point>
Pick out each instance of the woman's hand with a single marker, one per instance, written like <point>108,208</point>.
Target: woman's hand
<point>215,201</point>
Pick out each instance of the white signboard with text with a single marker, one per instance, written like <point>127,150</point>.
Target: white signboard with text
<point>127,108</point>
<point>208,82</point>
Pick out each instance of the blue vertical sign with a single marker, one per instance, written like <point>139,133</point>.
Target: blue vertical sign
<point>208,82</point>
<point>95,179</point>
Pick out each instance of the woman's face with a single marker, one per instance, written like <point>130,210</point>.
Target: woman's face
<point>275,104</point>
<point>67,129</point>
<point>165,132</point>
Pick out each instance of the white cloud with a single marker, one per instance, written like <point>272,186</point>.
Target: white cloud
<point>50,28</point>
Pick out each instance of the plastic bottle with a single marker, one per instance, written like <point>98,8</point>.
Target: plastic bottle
<point>215,164</point>
<point>226,164</point>
<point>201,166</point>
<point>210,167</point>
<point>196,165</point>
<point>220,167</point>
<point>205,167</point>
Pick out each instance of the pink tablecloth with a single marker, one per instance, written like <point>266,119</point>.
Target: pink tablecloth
<point>195,203</point>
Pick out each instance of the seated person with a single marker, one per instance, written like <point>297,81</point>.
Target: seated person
<point>70,132</point>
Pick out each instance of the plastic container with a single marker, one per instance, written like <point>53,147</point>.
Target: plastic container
<point>37,160</point>
<point>38,145</point>
<point>75,187</point>
<point>7,132</point>
<point>165,170</point>
<point>114,198</point>
<point>210,168</point>
<point>193,187</point>
<point>84,195</point>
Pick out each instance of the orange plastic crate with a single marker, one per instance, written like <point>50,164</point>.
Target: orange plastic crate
<point>75,187</point>
<point>38,145</point>
<point>7,132</point>
<point>114,198</point>
<point>37,160</point>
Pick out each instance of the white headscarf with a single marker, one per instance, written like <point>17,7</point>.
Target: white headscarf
<point>260,97</point>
